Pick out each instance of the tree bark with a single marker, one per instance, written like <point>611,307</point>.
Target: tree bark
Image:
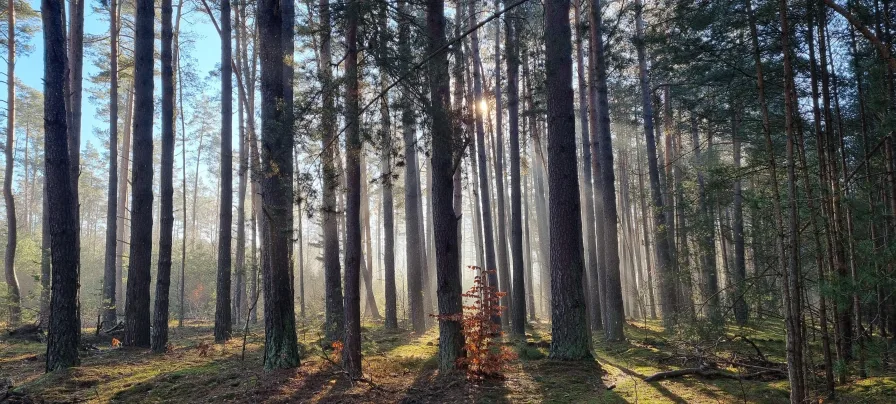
<point>109,279</point>
<point>571,338</point>
<point>137,319</point>
<point>240,301</point>
<point>281,348</point>
<point>122,211</point>
<point>385,138</point>
<point>414,237</point>
<point>9,258</point>
<point>223,327</point>
<point>511,33</point>
<point>166,222</point>
<point>614,320</point>
<point>64,331</point>
<point>75,80</point>
<point>332,269</point>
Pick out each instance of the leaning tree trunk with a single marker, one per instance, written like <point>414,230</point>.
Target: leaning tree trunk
<point>64,331</point>
<point>225,219</point>
<point>9,258</point>
<point>281,347</point>
<point>166,222</point>
<point>137,318</point>
<point>332,272</point>
<point>571,338</point>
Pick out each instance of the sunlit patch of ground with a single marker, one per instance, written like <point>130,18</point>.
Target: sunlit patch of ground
<point>401,366</point>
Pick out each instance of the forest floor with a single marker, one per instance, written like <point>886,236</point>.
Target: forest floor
<point>401,367</point>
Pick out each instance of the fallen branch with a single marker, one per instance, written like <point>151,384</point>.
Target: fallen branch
<point>707,373</point>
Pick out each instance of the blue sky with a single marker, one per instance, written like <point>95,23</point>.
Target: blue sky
<point>30,69</point>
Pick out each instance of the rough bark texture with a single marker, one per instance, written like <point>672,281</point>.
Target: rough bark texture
<point>9,258</point>
<point>64,331</point>
<point>140,257</point>
<point>223,326</point>
<point>511,32</point>
<point>332,268</point>
<point>75,83</point>
<point>166,180</point>
<point>569,327</point>
<point>281,347</point>
<point>614,317</point>
<point>109,279</point>
<point>240,301</point>
<point>351,352</point>
<point>451,340</point>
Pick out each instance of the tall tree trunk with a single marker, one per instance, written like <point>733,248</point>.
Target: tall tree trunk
<point>64,331</point>
<point>792,292</point>
<point>370,307</point>
<point>451,339</point>
<point>137,317</point>
<point>530,279</point>
<point>75,83</point>
<point>281,348</point>
<point>511,33</point>
<point>503,264</point>
<point>571,338</point>
<point>664,267</point>
<point>590,245</point>
<point>240,303</point>
<point>484,194</point>
<point>123,211</point>
<point>351,353</point>
<point>385,138</point>
<point>614,320</point>
<point>223,327</point>
<point>9,258</point>
<point>332,270</point>
<point>109,279</point>
<point>166,222</point>
<point>413,215</point>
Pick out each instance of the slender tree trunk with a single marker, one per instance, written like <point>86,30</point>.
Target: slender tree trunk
<point>530,279</point>
<point>240,303</point>
<point>64,331</point>
<point>503,264</point>
<point>9,258</point>
<point>367,257</point>
<point>484,193</point>
<point>109,279</point>
<point>571,338</point>
<point>707,244</point>
<point>123,211</point>
<point>351,353</point>
<point>516,215</point>
<point>166,222</point>
<point>75,79</point>
<point>281,348</point>
<point>590,245</point>
<point>223,327</point>
<point>413,215</point>
<point>385,138</point>
<point>614,320</point>
<point>137,319</point>
<point>792,292</point>
<point>332,270</point>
